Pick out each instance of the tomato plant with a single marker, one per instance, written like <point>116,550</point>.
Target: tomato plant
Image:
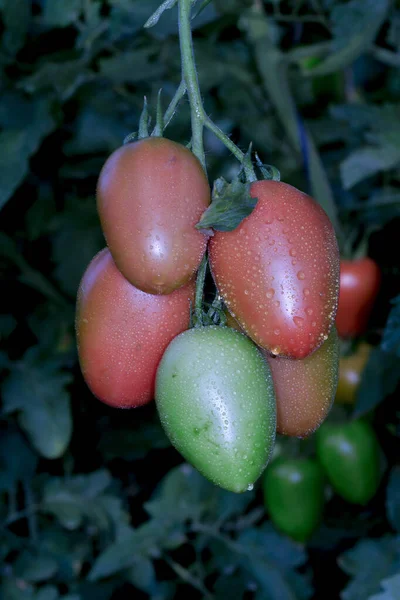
<point>359,286</point>
<point>294,495</point>
<point>305,389</point>
<point>122,332</point>
<point>216,402</point>
<point>278,272</point>
<point>350,372</point>
<point>150,195</point>
<point>350,456</point>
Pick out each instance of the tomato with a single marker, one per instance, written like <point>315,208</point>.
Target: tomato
<point>350,372</point>
<point>216,401</point>
<point>278,271</point>
<point>122,332</point>
<point>150,195</point>
<point>350,456</point>
<point>294,495</point>
<point>305,389</point>
<point>359,286</point>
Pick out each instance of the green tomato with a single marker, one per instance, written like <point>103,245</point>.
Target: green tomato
<point>216,401</point>
<point>294,496</point>
<point>350,456</point>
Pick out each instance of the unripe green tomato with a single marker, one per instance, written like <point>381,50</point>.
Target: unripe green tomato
<point>305,389</point>
<point>294,495</point>
<point>350,456</point>
<point>216,402</point>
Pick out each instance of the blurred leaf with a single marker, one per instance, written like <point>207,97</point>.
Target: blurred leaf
<point>77,239</point>
<point>37,391</point>
<point>391,589</point>
<point>34,567</point>
<point>17,460</point>
<point>383,554</point>
<point>354,25</point>
<point>367,161</point>
<point>379,379</point>
<point>116,557</point>
<point>16,18</point>
<point>391,335</point>
<point>7,326</point>
<point>18,145</point>
<point>131,444</point>
<point>61,13</point>
<point>62,77</point>
<point>131,66</point>
<point>393,498</point>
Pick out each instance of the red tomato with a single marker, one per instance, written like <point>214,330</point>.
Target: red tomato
<point>359,286</point>
<point>305,389</point>
<point>122,332</point>
<point>278,272</point>
<point>150,195</point>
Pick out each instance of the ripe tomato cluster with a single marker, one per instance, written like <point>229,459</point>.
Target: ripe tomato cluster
<point>221,394</point>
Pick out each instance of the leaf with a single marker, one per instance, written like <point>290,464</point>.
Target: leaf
<point>231,203</point>
<point>17,460</point>
<point>18,145</point>
<point>391,335</point>
<point>117,557</point>
<point>355,26</point>
<point>16,18</point>
<point>37,391</point>
<point>391,589</point>
<point>366,162</point>
<point>383,554</point>
<point>132,66</point>
<point>35,567</point>
<point>61,13</point>
<point>393,498</point>
<point>62,77</point>
<point>379,379</point>
<point>153,20</point>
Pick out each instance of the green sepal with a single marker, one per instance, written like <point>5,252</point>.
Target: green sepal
<point>231,203</point>
<point>268,172</point>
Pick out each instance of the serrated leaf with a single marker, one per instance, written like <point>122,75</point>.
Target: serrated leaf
<point>393,498</point>
<point>354,25</point>
<point>37,392</point>
<point>379,379</point>
<point>231,203</point>
<point>391,335</point>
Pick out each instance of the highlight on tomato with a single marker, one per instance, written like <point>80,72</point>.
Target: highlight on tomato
<point>150,195</point>
<point>360,281</point>
<point>122,332</point>
<point>278,271</point>
<point>351,369</point>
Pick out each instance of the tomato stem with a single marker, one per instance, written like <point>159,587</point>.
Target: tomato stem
<point>198,300</point>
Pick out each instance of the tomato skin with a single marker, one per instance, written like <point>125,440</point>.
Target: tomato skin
<point>278,271</point>
<point>122,332</point>
<point>216,402</point>
<point>350,456</point>
<point>359,286</point>
<point>305,389</point>
<point>150,195</point>
<point>350,373</point>
<point>294,495</point>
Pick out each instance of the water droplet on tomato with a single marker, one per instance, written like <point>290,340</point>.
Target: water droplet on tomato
<point>301,275</point>
<point>298,321</point>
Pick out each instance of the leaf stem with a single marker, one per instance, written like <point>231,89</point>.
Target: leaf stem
<point>198,300</point>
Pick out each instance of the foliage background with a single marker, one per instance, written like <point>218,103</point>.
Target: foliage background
<point>94,503</point>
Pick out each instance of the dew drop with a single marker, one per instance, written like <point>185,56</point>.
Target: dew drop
<point>292,252</point>
<point>301,275</point>
<point>250,487</point>
<point>270,293</point>
<point>277,331</point>
<point>298,321</point>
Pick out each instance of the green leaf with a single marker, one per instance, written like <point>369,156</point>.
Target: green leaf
<point>132,66</point>
<point>62,77</point>
<point>35,567</point>
<point>18,145</point>
<point>355,26</point>
<point>231,203</point>
<point>17,460</point>
<point>391,335</point>
<point>383,554</point>
<point>367,161</point>
<point>391,589</point>
<point>393,498</point>
<point>61,13</point>
<point>117,557</point>
<point>379,379</point>
<point>37,391</point>
<point>153,20</point>
<point>16,18</point>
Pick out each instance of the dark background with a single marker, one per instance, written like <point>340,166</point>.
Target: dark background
<point>94,503</point>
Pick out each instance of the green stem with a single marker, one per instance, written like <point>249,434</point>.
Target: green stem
<point>173,105</point>
<point>189,75</point>
<point>198,299</point>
